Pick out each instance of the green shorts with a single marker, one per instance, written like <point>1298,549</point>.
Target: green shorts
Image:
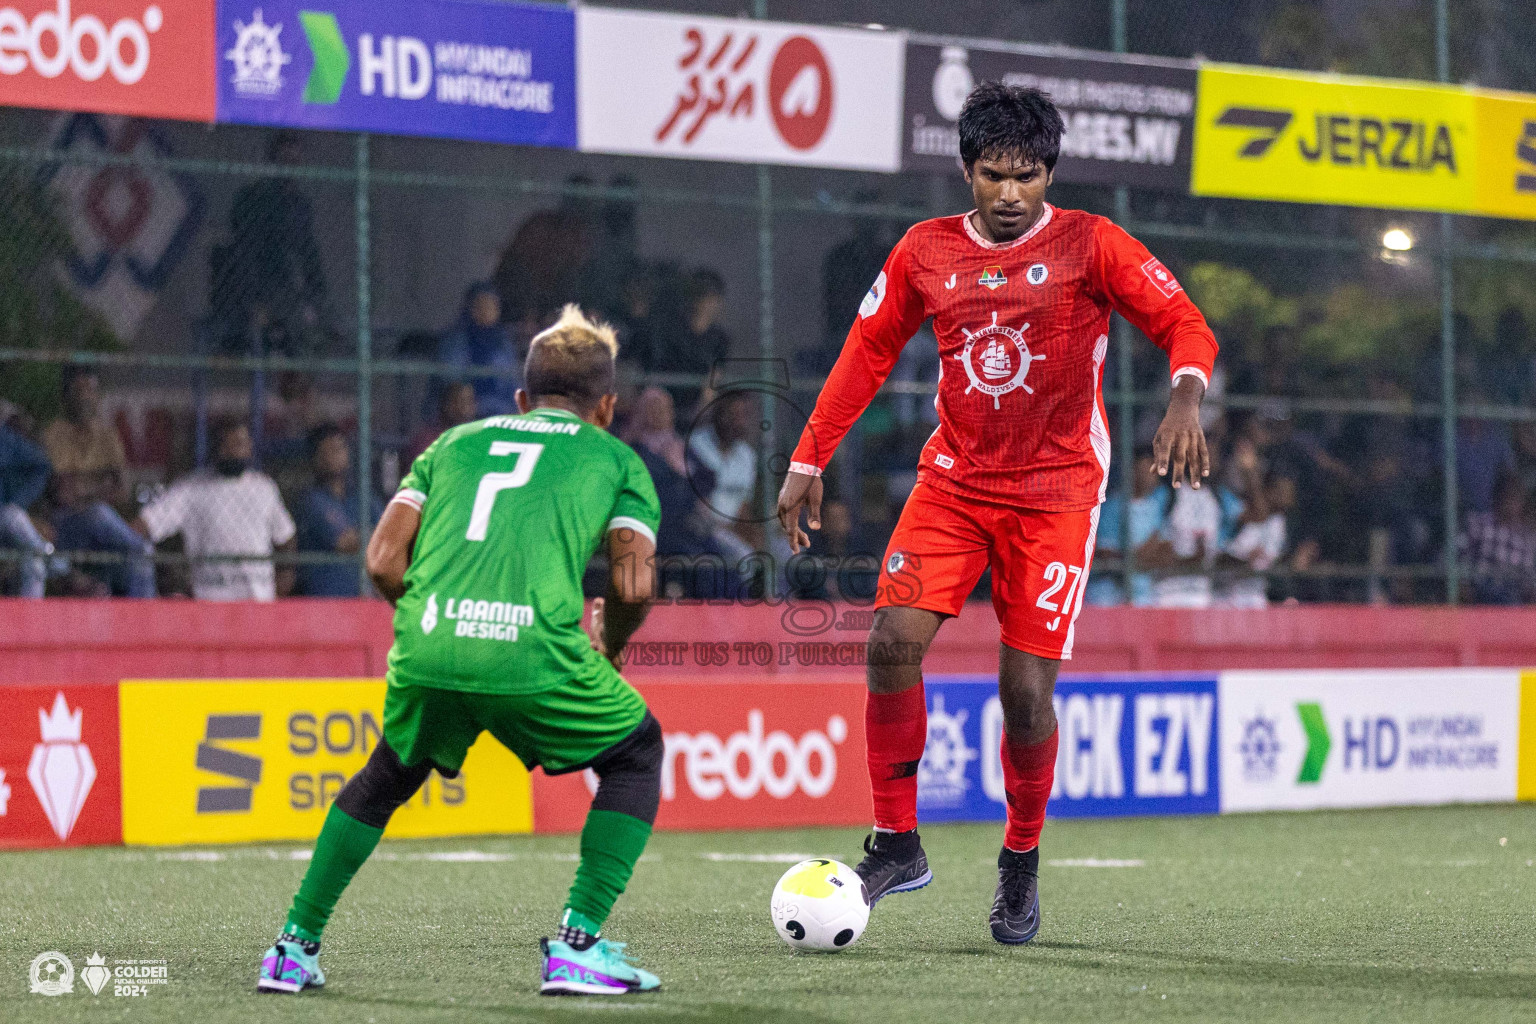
<point>561,728</point>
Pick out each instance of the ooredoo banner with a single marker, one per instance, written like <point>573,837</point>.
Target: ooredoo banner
<point>494,72</point>
<point>147,59</point>
<point>746,754</point>
<point>1126,746</point>
<point>753,91</point>
<point>59,781</point>
<point>243,760</point>
<point>1129,120</point>
<point>1294,740</point>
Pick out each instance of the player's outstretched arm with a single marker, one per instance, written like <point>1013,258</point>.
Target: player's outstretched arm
<point>390,547</point>
<point>799,490</point>
<point>630,588</point>
<point>1178,448</point>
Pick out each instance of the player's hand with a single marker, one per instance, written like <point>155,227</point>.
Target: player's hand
<point>800,489</point>
<point>1180,442</point>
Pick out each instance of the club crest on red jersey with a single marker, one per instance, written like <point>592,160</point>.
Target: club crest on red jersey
<point>1161,279</point>
<point>997,359</point>
<point>992,278</point>
<point>1037,273</point>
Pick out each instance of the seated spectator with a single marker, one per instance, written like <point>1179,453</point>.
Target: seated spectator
<point>455,405</point>
<point>721,450</point>
<point>1200,522</point>
<point>694,341</point>
<point>1500,548</point>
<point>1148,513</point>
<point>326,515</point>
<point>90,476</point>
<point>23,478</point>
<point>231,519</point>
<point>480,341</point>
<point>1260,538</point>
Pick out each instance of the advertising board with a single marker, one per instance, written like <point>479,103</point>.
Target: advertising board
<point>109,57</point>
<point>1129,120</point>
<point>754,91</point>
<point>246,760</point>
<point>1294,740</point>
<point>746,754</point>
<point>59,780</point>
<point>493,72</point>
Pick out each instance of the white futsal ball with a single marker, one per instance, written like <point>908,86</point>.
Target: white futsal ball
<point>819,905</point>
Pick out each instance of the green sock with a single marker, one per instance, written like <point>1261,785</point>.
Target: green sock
<point>611,843</point>
<point>343,845</point>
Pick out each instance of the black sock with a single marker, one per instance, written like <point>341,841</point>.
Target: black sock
<point>576,938</point>
<point>309,947</point>
<point>1029,861</point>
<point>899,843</point>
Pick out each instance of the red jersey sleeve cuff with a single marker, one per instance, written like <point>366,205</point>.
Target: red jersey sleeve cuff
<point>805,467</point>
<point>1192,371</point>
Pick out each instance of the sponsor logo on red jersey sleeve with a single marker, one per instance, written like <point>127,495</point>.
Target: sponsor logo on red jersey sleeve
<point>1160,277</point>
<point>871,303</point>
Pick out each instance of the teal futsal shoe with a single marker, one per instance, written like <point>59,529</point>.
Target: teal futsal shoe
<point>599,970</point>
<point>288,967</point>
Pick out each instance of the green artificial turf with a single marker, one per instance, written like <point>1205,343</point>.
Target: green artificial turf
<point>1401,915</point>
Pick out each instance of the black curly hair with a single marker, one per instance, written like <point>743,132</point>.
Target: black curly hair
<point>1003,120</point>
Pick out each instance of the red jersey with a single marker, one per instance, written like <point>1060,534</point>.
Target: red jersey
<point>1023,329</point>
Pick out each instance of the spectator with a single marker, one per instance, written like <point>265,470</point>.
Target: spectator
<point>230,520</point>
<point>615,260</point>
<point>90,476</point>
<point>480,341</point>
<point>455,405</point>
<point>652,433</point>
<point>269,282</point>
<point>1260,539</point>
<point>326,515</point>
<point>1200,522</point>
<point>1150,500</point>
<point>23,478</point>
<point>540,268</point>
<point>693,342</point>
<point>724,467</point>
<point>1484,454</point>
<point>847,271</point>
<point>1500,548</point>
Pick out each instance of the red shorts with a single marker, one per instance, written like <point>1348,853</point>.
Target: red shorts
<point>1039,561</point>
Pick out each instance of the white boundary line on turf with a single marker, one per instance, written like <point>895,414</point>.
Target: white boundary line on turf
<point>757,858</point>
<point>1094,862</point>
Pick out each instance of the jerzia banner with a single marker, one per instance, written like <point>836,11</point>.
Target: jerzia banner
<point>1129,120</point>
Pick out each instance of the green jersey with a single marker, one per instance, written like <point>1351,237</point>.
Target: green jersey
<point>512,509</point>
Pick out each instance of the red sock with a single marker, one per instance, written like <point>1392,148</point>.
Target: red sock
<point>1028,771</point>
<point>896,729</point>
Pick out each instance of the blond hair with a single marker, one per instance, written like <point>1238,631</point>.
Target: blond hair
<point>572,358</point>
<point>575,331</point>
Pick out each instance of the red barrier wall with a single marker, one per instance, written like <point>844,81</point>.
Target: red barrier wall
<point>59,641</point>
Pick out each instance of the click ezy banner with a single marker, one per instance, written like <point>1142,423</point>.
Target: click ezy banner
<point>491,72</point>
<point>1312,138</point>
<point>750,91</point>
<point>1125,747</point>
<point>255,760</point>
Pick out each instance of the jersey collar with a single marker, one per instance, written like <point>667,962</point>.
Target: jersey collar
<point>554,412</point>
<point>975,236</point>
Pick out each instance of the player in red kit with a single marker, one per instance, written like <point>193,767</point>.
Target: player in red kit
<point>1020,293</point>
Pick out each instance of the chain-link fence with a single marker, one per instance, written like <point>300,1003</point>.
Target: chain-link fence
<point>220,348</point>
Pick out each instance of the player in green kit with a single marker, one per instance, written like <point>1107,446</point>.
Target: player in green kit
<point>482,551</point>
